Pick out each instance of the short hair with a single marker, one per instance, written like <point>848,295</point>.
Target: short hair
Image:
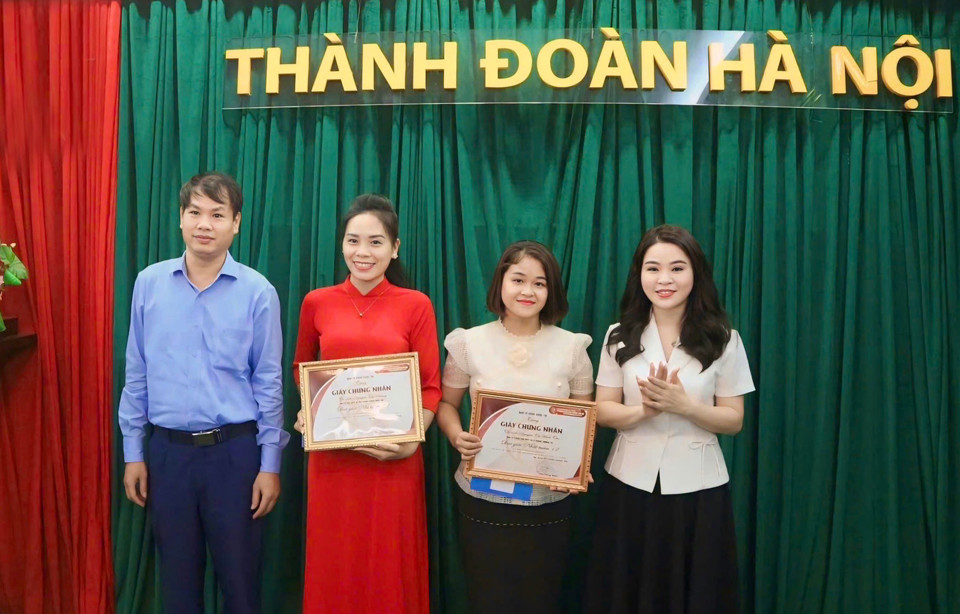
<point>216,186</point>
<point>556,306</point>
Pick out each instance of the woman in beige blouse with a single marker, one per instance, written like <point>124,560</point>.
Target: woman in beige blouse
<point>514,544</point>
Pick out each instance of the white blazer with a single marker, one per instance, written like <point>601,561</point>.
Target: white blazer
<point>687,457</point>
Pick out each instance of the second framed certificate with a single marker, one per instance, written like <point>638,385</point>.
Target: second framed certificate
<point>361,401</point>
<point>535,440</point>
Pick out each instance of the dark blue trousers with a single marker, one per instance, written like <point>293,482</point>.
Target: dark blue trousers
<point>200,497</point>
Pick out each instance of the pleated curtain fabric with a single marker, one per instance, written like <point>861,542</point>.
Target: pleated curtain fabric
<point>59,81</point>
<point>833,237</point>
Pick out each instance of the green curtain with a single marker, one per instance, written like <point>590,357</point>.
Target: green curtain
<point>833,237</point>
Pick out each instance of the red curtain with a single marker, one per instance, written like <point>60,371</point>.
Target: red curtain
<point>59,83</point>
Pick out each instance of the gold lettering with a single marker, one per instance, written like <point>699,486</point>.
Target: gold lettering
<point>612,63</point>
<point>375,60</point>
<point>941,59</point>
<point>777,36</point>
<point>907,47</point>
<point>447,64</point>
<point>652,57</point>
<point>578,54</point>
<point>782,66</point>
<point>492,64</point>
<point>907,40</point>
<point>244,58</point>
<point>891,78</point>
<point>334,66</point>
<point>719,67</point>
<point>843,65</point>
<point>300,69</point>
<point>610,34</point>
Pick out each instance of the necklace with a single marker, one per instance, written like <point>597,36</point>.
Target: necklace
<point>374,302</point>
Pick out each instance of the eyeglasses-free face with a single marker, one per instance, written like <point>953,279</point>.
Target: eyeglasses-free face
<point>367,250</point>
<point>524,289</point>
<point>208,227</point>
<point>667,277</point>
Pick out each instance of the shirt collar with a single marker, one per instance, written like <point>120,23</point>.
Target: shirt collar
<point>351,289</point>
<point>230,268</point>
<point>653,348</point>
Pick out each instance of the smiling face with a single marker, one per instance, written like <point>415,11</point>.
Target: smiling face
<point>368,250</point>
<point>524,289</point>
<point>667,277</point>
<point>208,227</point>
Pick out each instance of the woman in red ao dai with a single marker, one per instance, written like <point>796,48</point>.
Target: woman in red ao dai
<point>366,547</point>
<point>514,549</point>
<point>672,375</point>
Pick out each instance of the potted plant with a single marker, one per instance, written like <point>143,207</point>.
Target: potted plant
<point>12,272</point>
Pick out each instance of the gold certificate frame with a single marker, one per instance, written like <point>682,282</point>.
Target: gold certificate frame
<point>533,439</point>
<point>365,401</point>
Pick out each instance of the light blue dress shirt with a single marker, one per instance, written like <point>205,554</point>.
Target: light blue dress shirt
<point>197,360</point>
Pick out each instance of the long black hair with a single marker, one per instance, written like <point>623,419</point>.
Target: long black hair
<point>382,208</point>
<point>706,328</point>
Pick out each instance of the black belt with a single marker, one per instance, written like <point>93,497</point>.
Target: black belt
<point>210,437</point>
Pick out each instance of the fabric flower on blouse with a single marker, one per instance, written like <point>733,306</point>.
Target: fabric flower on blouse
<point>518,355</point>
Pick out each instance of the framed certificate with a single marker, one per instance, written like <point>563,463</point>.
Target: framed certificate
<point>535,440</point>
<point>361,401</point>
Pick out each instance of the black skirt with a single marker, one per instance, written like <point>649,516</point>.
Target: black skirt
<point>514,556</point>
<point>663,554</point>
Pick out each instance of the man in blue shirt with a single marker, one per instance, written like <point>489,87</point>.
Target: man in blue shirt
<point>204,368</point>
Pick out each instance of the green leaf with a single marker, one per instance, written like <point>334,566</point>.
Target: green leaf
<point>10,260</point>
<point>3,326</point>
<point>6,254</point>
<point>19,271</point>
<point>10,279</point>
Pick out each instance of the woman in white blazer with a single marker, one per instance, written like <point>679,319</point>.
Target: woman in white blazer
<point>672,375</point>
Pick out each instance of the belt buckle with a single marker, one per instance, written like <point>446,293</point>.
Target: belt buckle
<point>208,438</point>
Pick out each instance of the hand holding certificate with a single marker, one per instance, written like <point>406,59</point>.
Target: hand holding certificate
<point>361,402</point>
<point>535,440</point>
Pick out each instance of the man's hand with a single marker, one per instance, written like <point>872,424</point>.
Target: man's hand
<point>135,482</point>
<point>266,491</point>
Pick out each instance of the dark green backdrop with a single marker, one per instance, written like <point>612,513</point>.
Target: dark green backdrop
<point>833,237</point>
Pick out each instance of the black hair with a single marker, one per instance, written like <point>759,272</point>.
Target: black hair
<point>217,186</point>
<point>705,330</point>
<point>556,306</point>
<point>382,208</point>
